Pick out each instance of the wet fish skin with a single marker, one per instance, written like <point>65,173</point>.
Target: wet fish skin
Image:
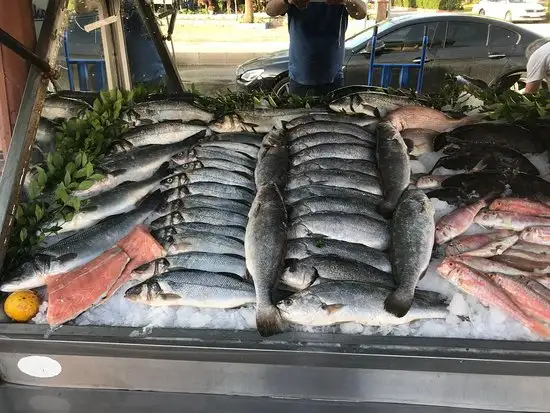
<point>344,227</point>
<point>419,141</point>
<point>480,286</point>
<point>202,242</point>
<point>332,127</point>
<point>272,163</point>
<point>344,151</point>
<point>521,206</point>
<point>297,194</point>
<point>467,243</point>
<point>78,249</point>
<point>213,163</point>
<point>200,214</point>
<point>199,153</point>
<point>413,233</point>
<point>371,103</point>
<point>161,110</point>
<point>335,302</point>
<point>457,222</point>
<point>197,201</point>
<point>430,181</point>
<point>354,180</point>
<point>45,135</point>
<point>232,192</point>
<point>455,196</point>
<point>258,121</point>
<point>522,263</point>
<point>249,138</point>
<point>536,286</point>
<point>533,248</point>
<point>333,204</point>
<point>300,274</point>
<point>208,175</point>
<point>265,250</point>
<point>540,258</point>
<point>536,235</point>
<point>321,138</point>
<point>356,119</point>
<point>354,165</point>
<point>194,289</point>
<point>487,266</point>
<point>509,220</point>
<point>394,166</point>
<point>230,231</point>
<point>57,107</point>
<point>301,248</point>
<point>494,247</point>
<point>250,150</point>
<point>414,117</point>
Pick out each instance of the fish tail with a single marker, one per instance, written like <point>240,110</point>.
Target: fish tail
<point>269,321</point>
<point>398,302</point>
<point>385,208</point>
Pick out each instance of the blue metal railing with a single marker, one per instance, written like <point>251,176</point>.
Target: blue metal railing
<point>387,67</point>
<point>82,66</point>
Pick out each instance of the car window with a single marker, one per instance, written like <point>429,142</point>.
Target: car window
<point>361,37</point>
<point>499,36</point>
<point>409,38</point>
<point>461,34</point>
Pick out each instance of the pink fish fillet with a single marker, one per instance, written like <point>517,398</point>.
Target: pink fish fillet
<point>457,222</point>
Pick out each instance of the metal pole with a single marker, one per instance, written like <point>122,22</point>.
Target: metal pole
<point>372,55</point>
<point>422,60</point>
<point>15,46</point>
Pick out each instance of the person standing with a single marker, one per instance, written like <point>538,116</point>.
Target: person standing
<point>538,64</point>
<point>317,36</point>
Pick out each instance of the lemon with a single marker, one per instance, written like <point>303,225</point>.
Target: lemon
<point>21,306</point>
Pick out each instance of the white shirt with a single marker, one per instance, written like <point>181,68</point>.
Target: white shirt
<point>538,66</point>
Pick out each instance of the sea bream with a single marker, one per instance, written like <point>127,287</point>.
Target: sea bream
<point>335,302</point>
<point>197,201</point>
<point>341,179</point>
<point>208,175</point>
<point>353,165</point>
<point>413,117</point>
<point>328,150</point>
<point>171,109</point>
<point>331,127</point>
<point>333,204</point>
<point>78,249</point>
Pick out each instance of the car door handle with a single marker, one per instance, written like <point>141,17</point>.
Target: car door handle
<point>496,56</point>
<point>418,60</point>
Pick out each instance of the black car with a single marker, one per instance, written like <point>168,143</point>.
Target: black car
<point>480,47</point>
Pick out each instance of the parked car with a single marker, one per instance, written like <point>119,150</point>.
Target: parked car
<point>480,47</point>
<point>511,10</point>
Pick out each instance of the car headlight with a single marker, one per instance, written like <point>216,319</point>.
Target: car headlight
<point>251,75</point>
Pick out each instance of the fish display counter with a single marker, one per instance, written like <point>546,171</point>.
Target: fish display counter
<point>372,250</point>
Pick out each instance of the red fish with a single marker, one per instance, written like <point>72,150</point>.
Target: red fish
<point>467,243</point>
<point>521,206</point>
<point>457,222</point>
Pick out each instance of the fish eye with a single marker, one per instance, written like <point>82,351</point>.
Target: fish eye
<point>288,302</point>
<point>169,180</point>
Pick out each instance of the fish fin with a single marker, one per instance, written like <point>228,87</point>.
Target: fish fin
<point>410,145</point>
<point>424,273</point>
<point>385,209</point>
<point>398,303</point>
<point>66,257</point>
<point>284,123</point>
<point>269,321</point>
<point>332,308</point>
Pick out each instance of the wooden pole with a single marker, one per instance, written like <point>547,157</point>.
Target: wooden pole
<point>16,18</point>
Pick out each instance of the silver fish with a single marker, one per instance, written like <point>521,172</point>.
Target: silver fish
<point>250,150</point>
<point>335,302</point>
<point>194,289</point>
<point>355,165</point>
<point>257,121</point>
<point>333,204</point>
<point>78,249</point>
<point>272,163</point>
<point>57,107</point>
<point>162,133</point>
<point>355,119</point>
<point>344,151</point>
<point>413,233</point>
<point>321,138</point>
<point>201,214</point>
<point>341,179</point>
<point>208,175</point>
<point>333,127</point>
<point>394,166</point>
<point>344,227</point>
<point>265,249</point>
<point>171,110</point>
<point>249,138</point>
<point>45,136</point>
<point>202,261</point>
<point>224,230</point>
<point>300,248</point>
<point>202,242</point>
<point>199,153</point>
<point>371,103</point>
<point>303,192</point>
<point>214,163</point>
<point>196,201</point>
<point>236,193</point>
<point>300,274</point>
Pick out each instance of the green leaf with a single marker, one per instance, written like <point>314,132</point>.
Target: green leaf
<point>41,176</point>
<point>271,101</point>
<point>81,173</point>
<point>38,212</point>
<point>19,213</point>
<point>97,105</point>
<point>67,179</point>
<point>62,194</point>
<point>84,159</point>
<point>34,189</point>
<point>57,160</point>
<point>73,186</point>
<point>75,203</point>
<point>85,185</point>
<point>69,216</point>
<point>78,160</point>
<point>23,234</point>
<point>96,177</point>
<point>89,169</point>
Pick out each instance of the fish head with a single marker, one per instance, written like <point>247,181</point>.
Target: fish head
<point>343,104</point>
<point>185,156</point>
<point>306,308</point>
<point>174,181</point>
<point>145,292</point>
<point>150,269</point>
<point>120,147</point>
<point>169,207</point>
<point>28,275</point>
<point>189,166</point>
<point>443,232</point>
<point>297,276</point>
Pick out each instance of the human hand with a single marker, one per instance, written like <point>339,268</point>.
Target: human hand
<point>300,4</point>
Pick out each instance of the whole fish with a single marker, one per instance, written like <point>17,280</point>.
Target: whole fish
<point>502,135</point>
<point>265,249</point>
<point>332,127</point>
<point>199,153</point>
<point>194,289</point>
<point>527,255</point>
<point>481,287</point>
<point>335,302</point>
<point>202,261</point>
<point>419,141</point>
<point>300,274</point>
<point>355,119</point>
<point>487,266</point>
<point>536,286</point>
<point>214,163</point>
<point>57,107</point>
<point>202,242</point>
<point>534,248</point>
<point>509,220</point>
<point>160,110</point>
<point>529,186</point>
<point>466,243</point>
<point>201,214</point>
<point>257,121</point>
<point>354,165</point>
<point>371,103</point>
<point>493,248</point>
<point>232,192</point>
<point>250,150</point>
<point>493,183</point>
<point>521,206</point>
<point>156,134</point>
<point>300,248</point>
<point>298,194</point>
<point>530,301</point>
<point>45,136</point>
<point>354,180</point>
<point>333,204</point>
<point>344,151</point>
<point>394,166</point>
<point>197,201</point>
<point>457,222</point>
<point>412,235</point>
<point>208,175</point>
<point>536,235</point>
<point>414,117</point>
<point>272,163</point>
<point>321,138</point>
<point>430,181</point>
<point>223,230</point>
<point>514,259</point>
<point>344,227</point>
<point>249,138</point>
<point>78,249</point>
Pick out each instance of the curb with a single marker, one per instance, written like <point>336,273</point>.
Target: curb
<point>215,58</point>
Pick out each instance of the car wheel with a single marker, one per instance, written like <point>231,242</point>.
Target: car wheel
<point>282,87</point>
<point>508,16</point>
<point>515,82</point>
<point>482,12</point>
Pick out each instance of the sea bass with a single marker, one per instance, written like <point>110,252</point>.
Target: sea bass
<point>57,107</point>
<point>232,192</point>
<point>457,222</point>
<point>208,175</point>
<point>354,180</point>
<point>201,242</point>
<point>272,163</point>
<point>333,204</point>
<point>201,214</point>
<point>371,103</point>
<point>332,127</point>
<point>223,230</point>
<point>303,192</point>
<point>200,201</point>
<point>214,163</point>
<point>200,153</point>
<point>353,165</point>
<point>413,117</point>
<point>160,110</point>
<point>344,151</point>
<point>355,119</point>
<point>321,138</point>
